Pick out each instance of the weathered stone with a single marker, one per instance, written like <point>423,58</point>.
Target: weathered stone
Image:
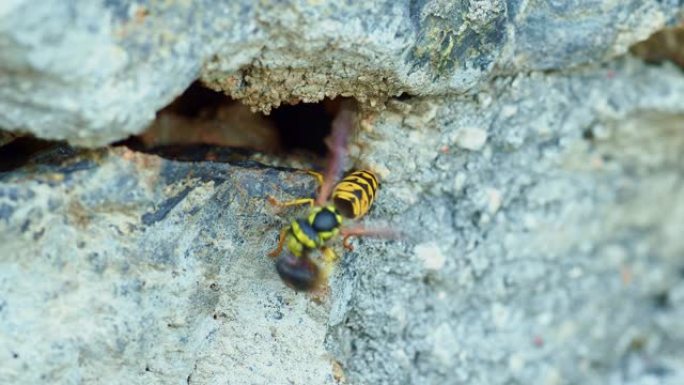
<point>95,72</point>
<point>554,257</point>
<point>119,267</point>
<point>544,248</point>
<point>563,250</point>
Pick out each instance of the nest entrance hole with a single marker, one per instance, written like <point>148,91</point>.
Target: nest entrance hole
<point>201,120</point>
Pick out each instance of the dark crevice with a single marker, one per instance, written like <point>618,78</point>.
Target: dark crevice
<point>304,126</point>
<point>22,150</point>
<point>191,152</point>
<point>663,46</point>
<point>197,101</point>
<point>202,124</point>
<point>404,96</point>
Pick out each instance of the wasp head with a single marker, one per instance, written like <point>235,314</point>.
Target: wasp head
<point>300,273</point>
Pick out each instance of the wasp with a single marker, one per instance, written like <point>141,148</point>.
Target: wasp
<point>355,193</point>
<point>350,198</point>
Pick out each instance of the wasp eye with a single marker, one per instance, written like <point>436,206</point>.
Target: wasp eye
<point>298,272</point>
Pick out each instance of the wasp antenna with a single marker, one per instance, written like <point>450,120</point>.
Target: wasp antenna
<point>337,149</point>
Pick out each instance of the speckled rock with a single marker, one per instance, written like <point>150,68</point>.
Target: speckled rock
<point>120,267</point>
<point>95,72</point>
<point>551,253</point>
<point>537,177</point>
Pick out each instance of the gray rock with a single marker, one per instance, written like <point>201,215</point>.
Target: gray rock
<point>543,210</point>
<point>95,72</point>
<point>550,254</point>
<point>119,267</point>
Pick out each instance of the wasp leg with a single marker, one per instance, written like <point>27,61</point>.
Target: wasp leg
<point>318,176</point>
<point>329,255</point>
<point>294,202</point>
<point>319,180</point>
<point>281,243</point>
<point>328,259</point>
<point>345,242</point>
<point>337,150</point>
<point>361,232</point>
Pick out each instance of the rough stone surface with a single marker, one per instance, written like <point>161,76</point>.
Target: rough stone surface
<point>117,267</point>
<point>543,210</point>
<point>95,72</point>
<point>564,261</point>
<point>552,255</point>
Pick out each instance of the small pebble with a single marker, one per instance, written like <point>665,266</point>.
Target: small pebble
<point>472,139</point>
<point>431,255</point>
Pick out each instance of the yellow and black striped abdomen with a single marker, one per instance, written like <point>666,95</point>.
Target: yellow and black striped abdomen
<point>354,194</point>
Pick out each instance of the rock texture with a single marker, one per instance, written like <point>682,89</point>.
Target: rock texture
<point>551,253</point>
<point>543,210</point>
<point>117,267</point>
<point>95,72</point>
